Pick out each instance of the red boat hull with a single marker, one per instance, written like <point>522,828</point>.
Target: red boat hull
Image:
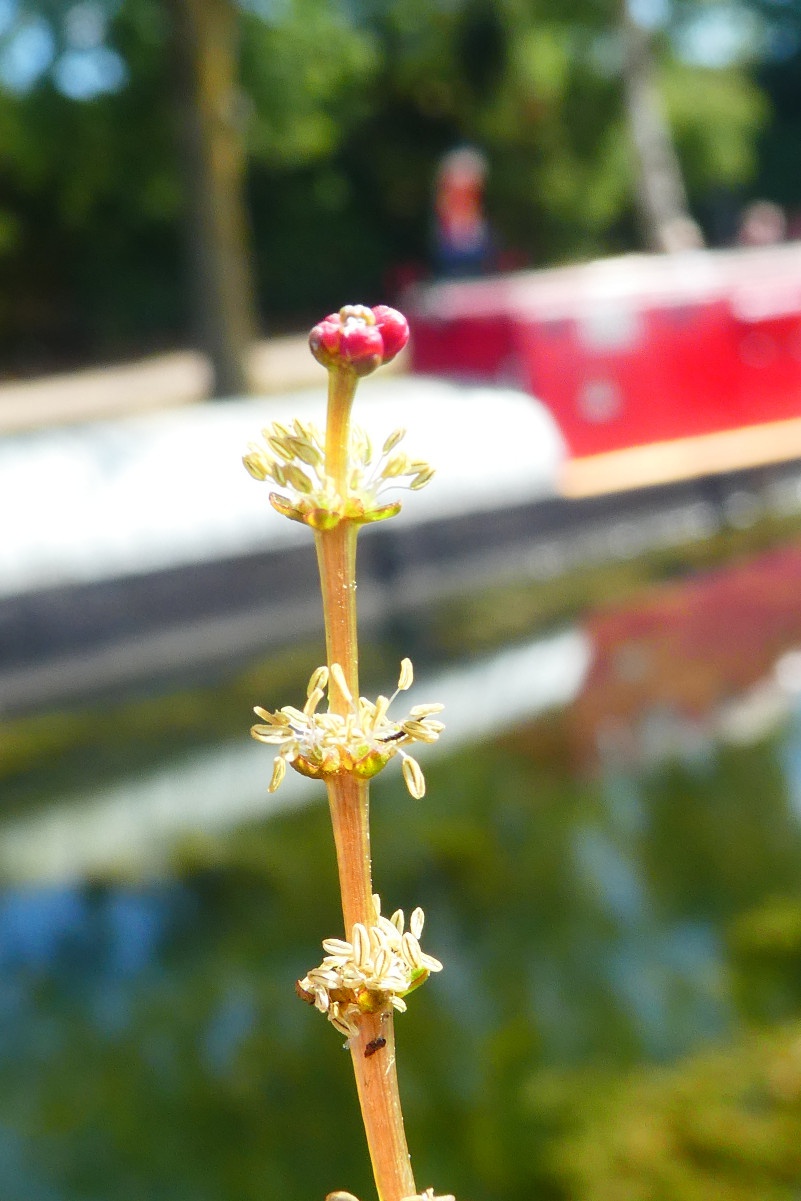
<point>630,351</point>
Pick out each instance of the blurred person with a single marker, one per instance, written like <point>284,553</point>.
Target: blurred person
<point>462,236</point>
<point>762,223</point>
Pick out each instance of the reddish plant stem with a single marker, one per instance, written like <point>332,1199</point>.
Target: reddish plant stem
<point>336,561</point>
<point>376,1076</point>
<point>379,1098</point>
<point>341,391</point>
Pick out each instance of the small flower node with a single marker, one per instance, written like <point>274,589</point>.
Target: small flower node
<point>360,743</point>
<point>372,973</point>
<point>295,460</point>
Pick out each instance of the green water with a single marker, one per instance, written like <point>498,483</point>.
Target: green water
<point>621,931</point>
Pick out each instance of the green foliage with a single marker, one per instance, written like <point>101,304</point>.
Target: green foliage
<point>305,76</point>
<point>345,112</point>
<point>152,1045</point>
<point>721,1126</point>
<point>721,149</point>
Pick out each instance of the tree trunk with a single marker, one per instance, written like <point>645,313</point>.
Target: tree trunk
<point>205,35</point>
<point>661,195</point>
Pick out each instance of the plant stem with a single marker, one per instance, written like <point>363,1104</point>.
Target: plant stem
<point>336,561</point>
<point>379,1098</point>
<point>341,391</point>
<point>376,1076</point>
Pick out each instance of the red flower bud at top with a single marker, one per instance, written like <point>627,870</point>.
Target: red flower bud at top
<point>359,338</point>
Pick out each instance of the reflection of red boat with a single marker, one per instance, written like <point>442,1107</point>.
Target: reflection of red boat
<point>635,351</point>
<point>689,649</point>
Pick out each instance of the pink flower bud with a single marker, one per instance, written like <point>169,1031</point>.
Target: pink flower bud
<point>361,345</point>
<point>324,340</point>
<point>394,330</point>
<point>359,338</point>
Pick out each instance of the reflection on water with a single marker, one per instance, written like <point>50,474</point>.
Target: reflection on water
<point>612,875</point>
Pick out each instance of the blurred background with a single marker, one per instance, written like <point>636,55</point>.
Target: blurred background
<point>589,212</point>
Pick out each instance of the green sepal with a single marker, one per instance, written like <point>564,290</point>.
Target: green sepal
<point>382,512</point>
<point>419,976</point>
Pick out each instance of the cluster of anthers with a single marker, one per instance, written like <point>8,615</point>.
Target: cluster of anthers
<point>360,743</point>
<point>372,973</point>
<point>294,458</point>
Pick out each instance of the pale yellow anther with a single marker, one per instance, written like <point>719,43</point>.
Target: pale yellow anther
<point>319,679</point>
<point>397,465</point>
<point>415,780</point>
<point>305,450</point>
<point>296,477</point>
<point>337,946</point>
<point>406,678</point>
<point>338,676</point>
<point>279,447</point>
<point>257,463</point>
<point>279,771</point>
<point>360,940</point>
<point>294,715</point>
<point>392,441</point>
<point>421,731</point>
<point>411,950</point>
<point>375,938</point>
<point>313,701</point>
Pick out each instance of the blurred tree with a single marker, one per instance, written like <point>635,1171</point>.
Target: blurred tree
<point>204,51</point>
<point>345,111</point>
<point>661,194</point>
